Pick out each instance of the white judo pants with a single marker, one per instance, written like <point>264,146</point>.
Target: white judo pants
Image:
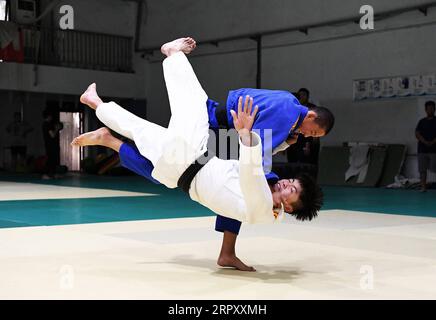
<point>172,149</point>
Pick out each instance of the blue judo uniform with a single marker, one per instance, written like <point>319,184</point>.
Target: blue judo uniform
<point>279,111</point>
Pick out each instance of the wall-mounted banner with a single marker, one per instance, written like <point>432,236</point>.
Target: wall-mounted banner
<point>394,87</point>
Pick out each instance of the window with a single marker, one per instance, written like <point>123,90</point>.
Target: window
<point>3,12</point>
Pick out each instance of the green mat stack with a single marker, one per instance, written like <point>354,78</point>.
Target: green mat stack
<point>385,162</point>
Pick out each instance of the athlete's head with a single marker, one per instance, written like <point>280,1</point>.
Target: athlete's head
<point>301,197</point>
<point>317,123</point>
<point>430,108</point>
<point>303,96</point>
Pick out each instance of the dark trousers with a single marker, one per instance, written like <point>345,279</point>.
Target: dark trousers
<point>53,160</point>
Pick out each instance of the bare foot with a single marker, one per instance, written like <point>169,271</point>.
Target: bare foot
<point>90,97</point>
<point>234,262</point>
<point>186,45</point>
<point>192,45</point>
<point>92,138</point>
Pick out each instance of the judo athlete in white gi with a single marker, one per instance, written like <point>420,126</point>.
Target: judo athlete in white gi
<point>231,188</point>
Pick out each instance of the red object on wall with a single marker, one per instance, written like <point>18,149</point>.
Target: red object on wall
<point>10,54</point>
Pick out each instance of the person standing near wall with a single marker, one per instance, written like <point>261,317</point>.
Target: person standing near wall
<point>18,131</point>
<point>306,149</point>
<point>426,134</point>
<point>50,131</point>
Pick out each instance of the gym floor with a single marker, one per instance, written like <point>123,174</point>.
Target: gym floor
<point>88,237</point>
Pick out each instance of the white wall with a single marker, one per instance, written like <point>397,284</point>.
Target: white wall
<point>210,19</point>
<point>113,17</point>
<point>326,61</point>
<point>20,77</point>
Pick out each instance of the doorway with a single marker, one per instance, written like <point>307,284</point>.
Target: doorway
<point>72,127</point>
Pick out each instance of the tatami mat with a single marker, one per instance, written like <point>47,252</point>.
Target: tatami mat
<point>342,254</point>
<point>31,191</point>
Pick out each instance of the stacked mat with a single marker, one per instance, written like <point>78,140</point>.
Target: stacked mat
<point>385,162</point>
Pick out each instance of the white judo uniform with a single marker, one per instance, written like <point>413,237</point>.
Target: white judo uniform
<point>231,188</point>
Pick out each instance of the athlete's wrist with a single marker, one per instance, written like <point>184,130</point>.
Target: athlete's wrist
<point>245,136</point>
<point>244,132</point>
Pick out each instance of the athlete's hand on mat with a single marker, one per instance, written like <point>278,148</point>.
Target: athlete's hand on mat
<point>243,121</point>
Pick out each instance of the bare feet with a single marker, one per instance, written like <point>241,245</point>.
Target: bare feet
<point>90,97</point>
<point>234,262</point>
<point>93,138</point>
<point>186,45</point>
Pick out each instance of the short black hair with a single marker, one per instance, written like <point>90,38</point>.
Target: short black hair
<point>304,90</point>
<point>311,198</point>
<point>324,118</point>
<point>430,103</point>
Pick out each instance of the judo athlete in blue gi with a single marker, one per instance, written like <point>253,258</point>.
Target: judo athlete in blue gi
<point>282,113</point>
<point>279,111</point>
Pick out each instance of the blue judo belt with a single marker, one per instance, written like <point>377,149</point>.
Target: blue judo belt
<point>221,117</point>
